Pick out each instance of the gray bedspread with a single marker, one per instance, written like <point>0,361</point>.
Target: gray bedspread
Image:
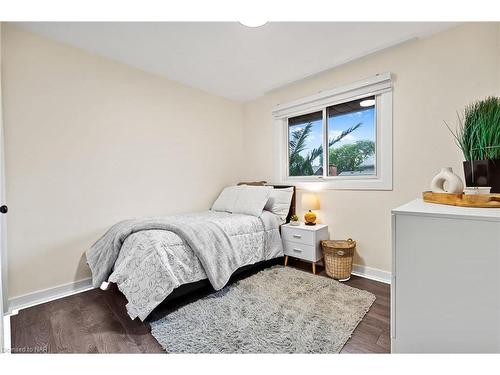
<point>148,258</point>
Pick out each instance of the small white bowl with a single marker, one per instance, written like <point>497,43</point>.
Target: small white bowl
<point>477,190</point>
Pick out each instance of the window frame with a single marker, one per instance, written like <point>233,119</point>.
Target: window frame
<point>379,86</point>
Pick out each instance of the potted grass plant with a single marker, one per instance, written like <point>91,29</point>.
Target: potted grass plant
<point>294,220</point>
<point>478,136</point>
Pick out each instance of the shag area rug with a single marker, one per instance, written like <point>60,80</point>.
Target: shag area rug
<point>278,310</point>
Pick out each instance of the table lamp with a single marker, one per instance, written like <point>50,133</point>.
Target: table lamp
<point>310,202</point>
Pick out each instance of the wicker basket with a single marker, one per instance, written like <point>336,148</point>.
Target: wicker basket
<point>338,258</point>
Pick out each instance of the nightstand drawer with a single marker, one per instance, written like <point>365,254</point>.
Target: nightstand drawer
<point>299,235</point>
<point>298,250</point>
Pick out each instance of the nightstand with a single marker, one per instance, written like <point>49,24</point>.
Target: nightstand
<point>304,242</point>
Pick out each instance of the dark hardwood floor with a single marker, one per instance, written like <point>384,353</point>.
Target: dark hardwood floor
<point>96,322</point>
<point>372,335</point>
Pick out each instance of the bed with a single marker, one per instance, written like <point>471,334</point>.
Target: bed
<point>153,259</point>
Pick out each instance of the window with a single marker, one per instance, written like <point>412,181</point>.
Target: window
<point>305,144</point>
<point>341,138</point>
<point>352,138</point>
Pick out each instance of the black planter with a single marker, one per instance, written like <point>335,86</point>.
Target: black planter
<point>483,173</point>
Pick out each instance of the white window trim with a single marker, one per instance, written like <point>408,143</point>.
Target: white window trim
<point>381,87</point>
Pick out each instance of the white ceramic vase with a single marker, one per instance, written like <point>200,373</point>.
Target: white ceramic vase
<point>454,184</point>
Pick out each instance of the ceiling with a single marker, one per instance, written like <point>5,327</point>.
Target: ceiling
<point>229,59</point>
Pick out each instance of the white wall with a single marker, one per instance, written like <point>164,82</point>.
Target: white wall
<point>90,142</point>
<point>434,77</point>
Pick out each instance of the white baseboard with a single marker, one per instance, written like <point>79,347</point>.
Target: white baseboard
<point>371,273</point>
<point>50,294</point>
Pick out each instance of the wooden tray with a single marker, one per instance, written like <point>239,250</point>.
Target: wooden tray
<point>462,200</point>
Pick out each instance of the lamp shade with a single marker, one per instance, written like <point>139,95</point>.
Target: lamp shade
<point>310,201</point>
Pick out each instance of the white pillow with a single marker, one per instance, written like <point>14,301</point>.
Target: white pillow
<point>250,200</point>
<point>279,202</point>
<point>244,199</point>
<point>227,198</point>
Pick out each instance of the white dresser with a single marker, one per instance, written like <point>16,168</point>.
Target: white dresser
<point>445,291</point>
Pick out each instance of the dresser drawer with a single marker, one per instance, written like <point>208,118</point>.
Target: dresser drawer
<point>305,237</point>
<point>298,250</point>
